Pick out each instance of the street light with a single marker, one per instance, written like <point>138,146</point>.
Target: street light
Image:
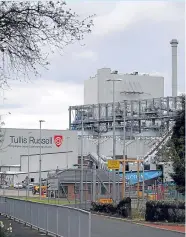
<point>28,164</point>
<point>114,135</point>
<point>124,149</point>
<point>40,122</point>
<point>82,162</point>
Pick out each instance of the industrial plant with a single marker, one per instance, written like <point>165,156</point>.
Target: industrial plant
<point>125,117</point>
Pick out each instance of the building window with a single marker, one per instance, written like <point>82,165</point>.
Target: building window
<point>64,189</point>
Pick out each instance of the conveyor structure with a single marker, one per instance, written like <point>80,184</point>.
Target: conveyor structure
<point>155,114</point>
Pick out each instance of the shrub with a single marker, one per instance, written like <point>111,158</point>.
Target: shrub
<point>123,208</point>
<point>103,207</point>
<point>165,211</point>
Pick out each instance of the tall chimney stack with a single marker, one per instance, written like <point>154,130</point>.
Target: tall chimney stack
<point>174,45</point>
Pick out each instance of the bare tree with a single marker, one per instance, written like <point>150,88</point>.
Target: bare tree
<point>29,31</point>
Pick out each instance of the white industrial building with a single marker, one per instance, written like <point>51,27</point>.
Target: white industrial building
<point>133,86</point>
<point>59,150</point>
<point>141,110</point>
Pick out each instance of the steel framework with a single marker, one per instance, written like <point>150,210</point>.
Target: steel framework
<point>154,114</point>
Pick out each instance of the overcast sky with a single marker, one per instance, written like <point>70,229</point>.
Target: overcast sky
<point>127,36</point>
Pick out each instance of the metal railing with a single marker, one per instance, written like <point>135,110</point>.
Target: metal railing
<point>61,221</point>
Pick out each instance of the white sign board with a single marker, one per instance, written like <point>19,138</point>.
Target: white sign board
<point>53,184</point>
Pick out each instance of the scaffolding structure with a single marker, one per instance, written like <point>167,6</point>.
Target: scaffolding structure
<point>155,114</point>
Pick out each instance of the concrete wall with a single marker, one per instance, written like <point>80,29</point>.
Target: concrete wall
<point>99,90</point>
<point>91,90</point>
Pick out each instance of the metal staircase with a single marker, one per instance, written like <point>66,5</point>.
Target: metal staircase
<point>100,161</point>
<point>157,146</point>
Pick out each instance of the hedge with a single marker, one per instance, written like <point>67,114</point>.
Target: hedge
<point>123,208</point>
<point>165,211</point>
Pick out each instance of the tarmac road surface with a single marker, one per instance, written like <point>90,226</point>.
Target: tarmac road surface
<point>104,227</point>
<point>101,227</point>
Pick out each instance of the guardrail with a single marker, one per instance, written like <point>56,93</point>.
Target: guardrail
<point>61,221</point>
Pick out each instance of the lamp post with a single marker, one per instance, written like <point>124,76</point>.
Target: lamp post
<point>124,136</point>
<point>28,165</point>
<point>40,122</point>
<point>114,136</point>
<point>82,163</point>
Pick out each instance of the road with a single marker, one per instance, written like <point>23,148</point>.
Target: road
<point>104,227</point>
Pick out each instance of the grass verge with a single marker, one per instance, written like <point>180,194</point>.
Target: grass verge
<point>46,200</point>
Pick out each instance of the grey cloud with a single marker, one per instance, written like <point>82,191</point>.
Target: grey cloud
<point>143,47</point>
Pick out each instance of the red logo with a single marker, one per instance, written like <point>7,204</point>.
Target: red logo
<point>58,139</point>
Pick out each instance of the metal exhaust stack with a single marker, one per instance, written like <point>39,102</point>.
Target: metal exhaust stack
<point>174,45</point>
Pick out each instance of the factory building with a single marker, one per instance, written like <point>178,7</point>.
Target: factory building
<point>59,151</point>
<point>143,122</point>
<point>132,86</point>
<point>133,107</point>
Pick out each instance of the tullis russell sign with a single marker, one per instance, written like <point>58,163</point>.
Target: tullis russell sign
<point>21,141</point>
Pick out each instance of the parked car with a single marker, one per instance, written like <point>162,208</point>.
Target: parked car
<point>18,186</point>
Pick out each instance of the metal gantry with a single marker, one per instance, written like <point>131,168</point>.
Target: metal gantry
<point>140,115</point>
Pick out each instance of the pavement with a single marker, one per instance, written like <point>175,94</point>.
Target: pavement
<point>105,227</point>
<point>20,230</point>
<point>178,228</point>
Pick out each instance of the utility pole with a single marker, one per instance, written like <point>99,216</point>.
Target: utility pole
<point>114,137</point>
<point>114,143</point>
<point>81,178</point>
<point>40,122</point>
<point>124,136</point>
<point>28,164</point>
